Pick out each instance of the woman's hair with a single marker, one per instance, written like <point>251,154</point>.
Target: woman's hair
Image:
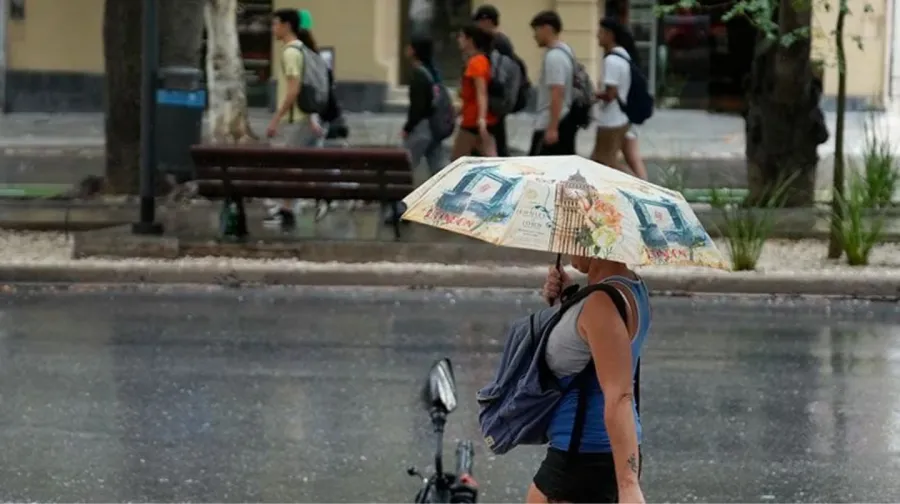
<point>289,16</point>
<point>482,40</point>
<point>623,36</point>
<point>423,50</point>
<point>306,37</point>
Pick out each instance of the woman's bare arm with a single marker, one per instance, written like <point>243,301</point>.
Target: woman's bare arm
<point>610,345</point>
<point>481,94</point>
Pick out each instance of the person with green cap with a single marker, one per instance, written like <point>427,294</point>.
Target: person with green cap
<point>306,21</point>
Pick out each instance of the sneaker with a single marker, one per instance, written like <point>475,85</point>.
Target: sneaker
<point>280,217</point>
<point>321,209</point>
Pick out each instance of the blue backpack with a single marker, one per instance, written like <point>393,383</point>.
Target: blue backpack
<point>516,407</point>
<point>638,105</point>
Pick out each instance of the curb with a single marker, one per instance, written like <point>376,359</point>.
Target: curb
<point>443,276</point>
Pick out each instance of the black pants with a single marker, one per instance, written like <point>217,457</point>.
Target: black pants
<point>564,146</point>
<point>583,477</point>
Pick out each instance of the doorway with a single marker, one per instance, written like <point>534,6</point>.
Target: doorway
<point>640,17</point>
<point>704,62</point>
<point>447,18</point>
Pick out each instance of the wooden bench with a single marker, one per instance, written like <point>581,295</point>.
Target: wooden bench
<point>233,173</point>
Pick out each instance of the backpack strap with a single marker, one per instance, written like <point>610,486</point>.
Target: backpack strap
<point>582,379</point>
<point>631,66</point>
<point>572,59</point>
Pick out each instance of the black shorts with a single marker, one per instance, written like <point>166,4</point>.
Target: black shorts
<point>493,129</point>
<point>586,477</point>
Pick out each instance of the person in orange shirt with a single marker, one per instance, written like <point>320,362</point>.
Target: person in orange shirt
<point>477,125</point>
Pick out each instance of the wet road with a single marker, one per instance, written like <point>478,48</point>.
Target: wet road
<point>309,395</point>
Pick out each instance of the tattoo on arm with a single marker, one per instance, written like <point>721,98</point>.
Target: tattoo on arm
<point>633,463</point>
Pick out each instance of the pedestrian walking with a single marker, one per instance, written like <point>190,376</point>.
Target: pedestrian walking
<point>419,135</point>
<point>301,129</point>
<point>487,17</point>
<point>597,341</point>
<point>555,126</point>
<point>430,118</point>
<point>477,123</point>
<point>624,100</point>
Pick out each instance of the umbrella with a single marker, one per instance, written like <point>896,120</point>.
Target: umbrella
<point>567,205</point>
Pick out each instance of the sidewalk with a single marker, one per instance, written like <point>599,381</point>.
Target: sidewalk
<point>709,148</point>
<point>47,257</point>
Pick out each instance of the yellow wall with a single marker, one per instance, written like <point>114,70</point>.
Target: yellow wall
<point>366,42</point>
<point>515,16</point>
<point>364,34</point>
<point>865,67</point>
<point>60,35</point>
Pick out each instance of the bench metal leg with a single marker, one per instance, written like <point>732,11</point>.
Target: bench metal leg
<point>233,219</point>
<point>395,219</point>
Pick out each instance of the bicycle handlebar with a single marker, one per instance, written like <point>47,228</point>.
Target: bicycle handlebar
<point>465,456</point>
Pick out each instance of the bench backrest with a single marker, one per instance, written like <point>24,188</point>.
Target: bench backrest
<point>386,159</point>
<point>274,172</point>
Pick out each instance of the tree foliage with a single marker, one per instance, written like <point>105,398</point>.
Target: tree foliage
<point>784,123</point>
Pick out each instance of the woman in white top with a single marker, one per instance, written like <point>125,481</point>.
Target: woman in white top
<point>614,132</point>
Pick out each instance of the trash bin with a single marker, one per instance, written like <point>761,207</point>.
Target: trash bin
<point>180,102</point>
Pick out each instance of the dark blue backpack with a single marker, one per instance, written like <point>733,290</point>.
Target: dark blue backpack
<point>516,407</point>
<point>638,105</point>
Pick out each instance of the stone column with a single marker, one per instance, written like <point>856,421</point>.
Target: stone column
<point>580,21</point>
<point>892,45</point>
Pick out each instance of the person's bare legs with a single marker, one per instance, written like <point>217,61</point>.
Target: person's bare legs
<point>463,144</point>
<point>633,159</point>
<point>487,146</point>
<point>535,496</point>
<point>608,144</point>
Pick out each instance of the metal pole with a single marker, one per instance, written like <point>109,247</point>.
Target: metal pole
<point>4,21</point>
<point>149,65</point>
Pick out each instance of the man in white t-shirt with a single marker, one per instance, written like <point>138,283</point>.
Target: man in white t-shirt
<point>612,123</point>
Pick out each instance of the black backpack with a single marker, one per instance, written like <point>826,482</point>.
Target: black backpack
<point>524,87</point>
<point>334,115</point>
<point>638,105</point>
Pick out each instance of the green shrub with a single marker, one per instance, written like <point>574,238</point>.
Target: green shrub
<point>881,170</point>
<point>672,177</point>
<point>746,229</point>
<point>860,227</point>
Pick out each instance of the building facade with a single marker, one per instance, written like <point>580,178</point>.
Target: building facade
<point>51,59</point>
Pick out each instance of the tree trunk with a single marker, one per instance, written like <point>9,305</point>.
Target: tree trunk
<point>837,189</point>
<point>784,122</point>
<point>227,112</point>
<point>181,34</point>
<point>122,58</point>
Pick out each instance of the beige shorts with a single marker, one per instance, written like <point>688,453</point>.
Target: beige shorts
<point>608,145</point>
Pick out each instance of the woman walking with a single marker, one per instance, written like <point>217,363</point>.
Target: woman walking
<point>615,133</point>
<point>417,134</point>
<point>477,124</point>
<point>607,464</point>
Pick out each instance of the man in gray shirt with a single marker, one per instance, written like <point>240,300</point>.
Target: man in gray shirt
<point>487,17</point>
<point>554,133</point>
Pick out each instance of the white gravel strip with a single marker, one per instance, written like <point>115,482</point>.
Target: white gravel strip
<point>780,257</point>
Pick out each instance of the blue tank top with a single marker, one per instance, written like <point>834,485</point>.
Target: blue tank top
<point>595,439</point>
